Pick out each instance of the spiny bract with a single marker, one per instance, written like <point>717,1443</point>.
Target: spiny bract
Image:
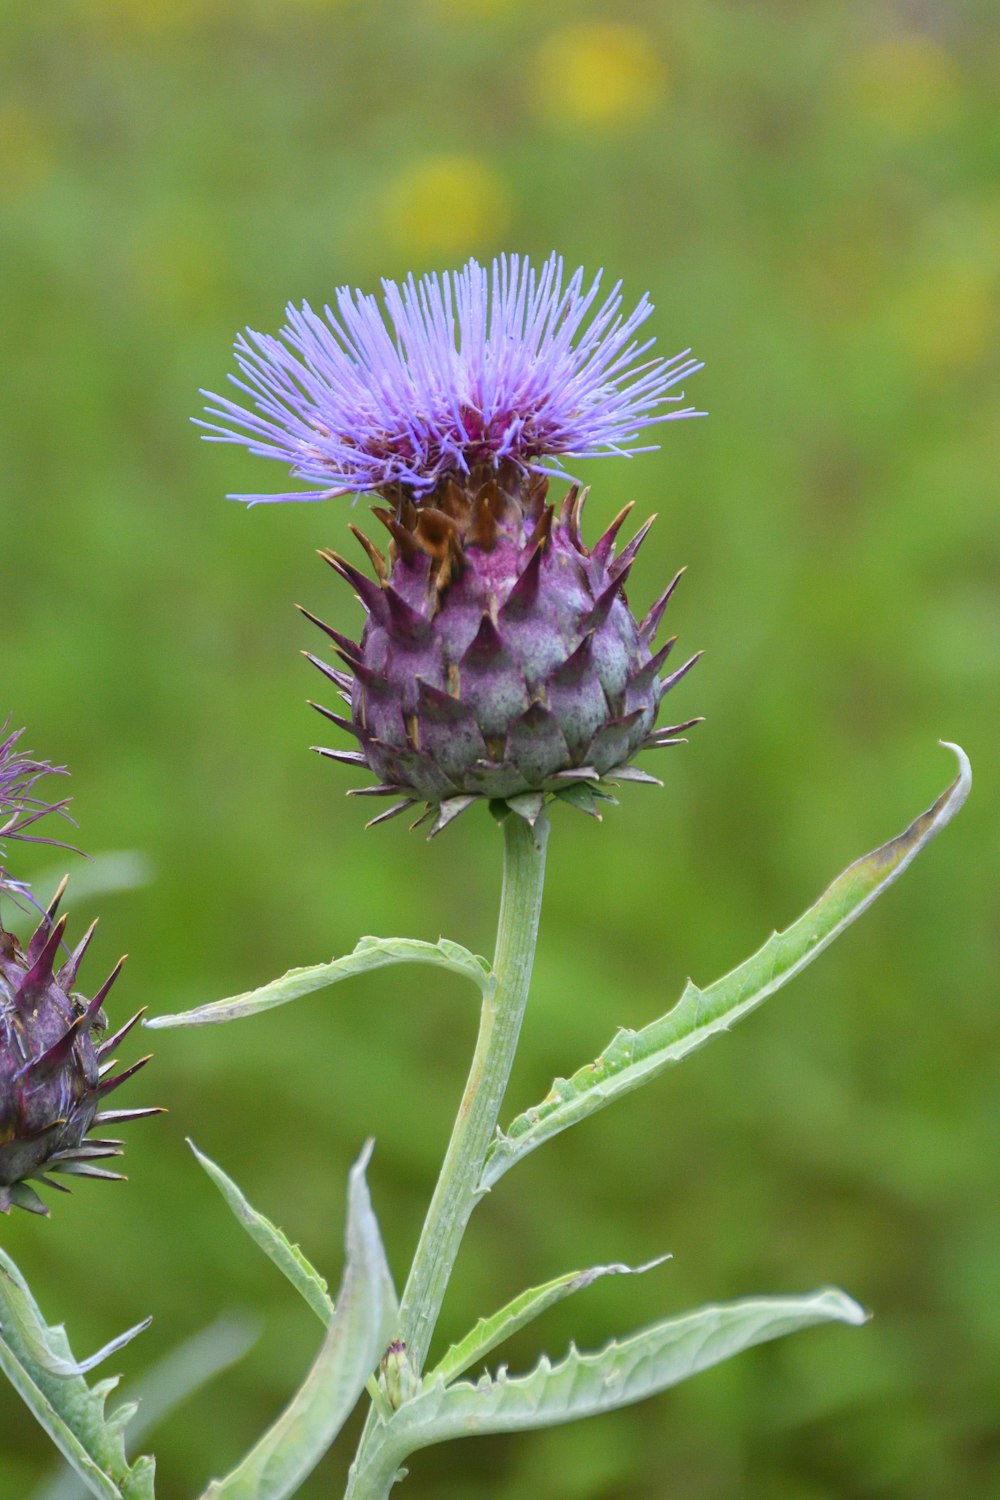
<point>499,657</point>
<point>55,1066</point>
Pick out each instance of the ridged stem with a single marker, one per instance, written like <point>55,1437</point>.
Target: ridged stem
<point>457,1191</point>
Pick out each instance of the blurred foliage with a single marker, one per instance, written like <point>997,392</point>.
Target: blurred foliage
<point>810,193</point>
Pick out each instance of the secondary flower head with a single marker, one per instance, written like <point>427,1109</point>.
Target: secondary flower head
<point>459,372</point>
<point>56,1065</point>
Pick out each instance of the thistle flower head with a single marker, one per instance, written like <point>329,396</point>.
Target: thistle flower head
<point>474,369</point>
<point>56,1064</point>
<point>499,658</point>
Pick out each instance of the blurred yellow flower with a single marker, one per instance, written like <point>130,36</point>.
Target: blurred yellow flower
<point>271,10</point>
<point>604,73</point>
<point>907,85</point>
<point>471,11</point>
<point>168,18</point>
<point>445,205</point>
<point>25,149</point>
<point>947,311</point>
<point>155,18</point>
<point>949,319</point>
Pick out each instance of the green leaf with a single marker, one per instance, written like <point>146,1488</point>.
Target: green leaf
<point>584,1385</point>
<point>287,1257</point>
<point>39,1363</point>
<point>634,1057</point>
<point>166,1385</point>
<point>370,953</point>
<point>20,1315</point>
<point>490,1332</point>
<point>358,1332</point>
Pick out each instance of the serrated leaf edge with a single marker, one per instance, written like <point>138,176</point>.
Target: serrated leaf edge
<point>634,1057</point>
<point>369,953</point>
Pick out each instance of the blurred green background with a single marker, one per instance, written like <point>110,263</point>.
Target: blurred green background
<point>811,195</point>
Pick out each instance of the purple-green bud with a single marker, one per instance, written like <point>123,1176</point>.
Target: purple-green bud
<point>56,1064</point>
<point>499,658</point>
<point>400,1380</point>
<point>55,1067</point>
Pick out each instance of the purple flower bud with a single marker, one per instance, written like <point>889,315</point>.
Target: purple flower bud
<point>56,1064</point>
<point>499,657</point>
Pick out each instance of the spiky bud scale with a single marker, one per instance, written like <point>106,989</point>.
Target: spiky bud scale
<point>499,656</point>
<point>55,1068</point>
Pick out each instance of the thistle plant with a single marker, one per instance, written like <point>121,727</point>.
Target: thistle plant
<point>497,661</point>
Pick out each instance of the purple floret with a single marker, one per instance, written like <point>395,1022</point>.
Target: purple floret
<point>473,367</point>
<point>20,808</point>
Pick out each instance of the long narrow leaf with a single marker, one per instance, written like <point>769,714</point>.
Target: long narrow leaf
<point>584,1385</point>
<point>370,953</point>
<point>287,1257</point>
<point>174,1379</point>
<point>94,1476</point>
<point>39,1363</point>
<point>634,1057</point>
<point>358,1333</point>
<point>20,1315</point>
<point>489,1333</point>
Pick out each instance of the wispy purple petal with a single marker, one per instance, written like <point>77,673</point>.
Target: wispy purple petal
<point>20,808</point>
<point>451,372</point>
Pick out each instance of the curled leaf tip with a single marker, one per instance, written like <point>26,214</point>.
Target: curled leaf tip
<point>361,1165</point>
<point>843,1307</point>
<point>964,765</point>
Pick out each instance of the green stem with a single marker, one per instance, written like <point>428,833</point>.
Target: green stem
<point>456,1194</point>
<point>458,1191</point>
